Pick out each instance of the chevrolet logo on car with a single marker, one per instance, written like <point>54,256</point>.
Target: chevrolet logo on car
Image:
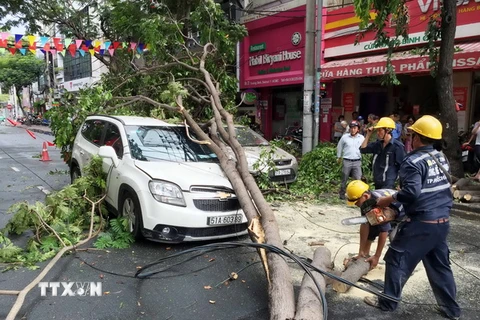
<point>224,196</point>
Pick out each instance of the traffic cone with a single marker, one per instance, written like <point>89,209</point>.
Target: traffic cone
<point>45,156</point>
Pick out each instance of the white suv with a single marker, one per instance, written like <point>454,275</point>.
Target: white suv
<point>170,188</point>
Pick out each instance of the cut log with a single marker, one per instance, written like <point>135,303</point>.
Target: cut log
<point>309,303</point>
<point>462,183</point>
<point>470,198</point>
<point>458,194</point>
<point>355,269</point>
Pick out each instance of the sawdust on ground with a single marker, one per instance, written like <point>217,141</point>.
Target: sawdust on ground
<point>305,226</point>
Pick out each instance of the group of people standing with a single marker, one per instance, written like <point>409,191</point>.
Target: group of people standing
<point>422,202</point>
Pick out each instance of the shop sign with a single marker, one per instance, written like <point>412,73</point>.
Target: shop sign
<point>415,64</point>
<point>434,5</point>
<point>274,58</point>
<point>348,99</point>
<point>272,54</point>
<point>249,97</point>
<point>76,85</point>
<point>341,27</point>
<point>258,47</point>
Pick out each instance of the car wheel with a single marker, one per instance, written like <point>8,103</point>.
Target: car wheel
<point>75,173</point>
<point>131,210</point>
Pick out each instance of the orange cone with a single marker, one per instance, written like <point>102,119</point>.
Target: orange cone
<point>45,156</point>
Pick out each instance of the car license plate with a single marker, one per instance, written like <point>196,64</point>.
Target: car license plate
<point>231,219</point>
<point>284,172</point>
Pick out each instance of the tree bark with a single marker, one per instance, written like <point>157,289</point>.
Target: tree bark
<point>460,194</point>
<point>462,184</point>
<point>309,303</point>
<point>466,184</point>
<point>444,86</point>
<point>355,269</point>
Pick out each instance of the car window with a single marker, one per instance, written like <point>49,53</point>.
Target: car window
<point>249,138</point>
<point>170,143</point>
<point>92,130</point>
<point>114,139</point>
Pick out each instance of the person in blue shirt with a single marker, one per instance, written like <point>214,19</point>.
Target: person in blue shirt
<point>427,198</point>
<point>388,154</point>
<point>397,131</point>
<point>348,149</point>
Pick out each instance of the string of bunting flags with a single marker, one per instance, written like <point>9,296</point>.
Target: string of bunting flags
<point>17,43</point>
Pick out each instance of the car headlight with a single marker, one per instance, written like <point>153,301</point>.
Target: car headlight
<point>167,192</point>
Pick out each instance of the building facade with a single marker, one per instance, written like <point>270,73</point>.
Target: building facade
<point>356,71</point>
<point>271,63</point>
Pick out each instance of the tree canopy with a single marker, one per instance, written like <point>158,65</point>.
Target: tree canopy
<point>20,71</point>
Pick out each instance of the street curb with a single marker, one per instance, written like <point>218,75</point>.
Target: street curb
<point>474,208</point>
<point>467,215</point>
<point>36,129</point>
<point>41,131</point>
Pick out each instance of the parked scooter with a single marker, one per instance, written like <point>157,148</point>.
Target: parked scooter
<point>293,136</point>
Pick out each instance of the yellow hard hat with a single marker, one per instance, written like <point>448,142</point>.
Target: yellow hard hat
<point>355,190</point>
<point>428,127</point>
<point>385,122</point>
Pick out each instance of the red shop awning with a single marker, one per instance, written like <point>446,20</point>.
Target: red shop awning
<point>467,56</point>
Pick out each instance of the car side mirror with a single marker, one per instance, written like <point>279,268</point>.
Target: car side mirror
<point>108,152</point>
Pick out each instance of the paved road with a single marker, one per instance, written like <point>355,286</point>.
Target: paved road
<point>179,292</point>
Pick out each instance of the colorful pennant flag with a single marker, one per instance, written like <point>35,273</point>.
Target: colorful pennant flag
<point>31,39</point>
<point>43,41</point>
<point>18,37</point>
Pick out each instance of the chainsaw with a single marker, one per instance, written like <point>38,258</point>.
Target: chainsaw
<point>372,214</point>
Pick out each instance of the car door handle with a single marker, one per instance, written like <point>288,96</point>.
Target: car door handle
<point>82,153</point>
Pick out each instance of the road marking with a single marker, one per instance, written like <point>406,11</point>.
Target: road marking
<point>15,169</point>
<point>46,191</point>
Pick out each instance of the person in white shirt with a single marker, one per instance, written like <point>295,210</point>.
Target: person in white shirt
<point>348,149</point>
<point>476,135</point>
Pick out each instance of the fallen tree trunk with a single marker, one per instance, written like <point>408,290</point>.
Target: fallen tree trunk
<point>459,194</point>
<point>355,269</point>
<point>309,303</point>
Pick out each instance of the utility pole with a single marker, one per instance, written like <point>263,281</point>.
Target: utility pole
<point>48,105</point>
<point>308,77</point>
<point>318,61</point>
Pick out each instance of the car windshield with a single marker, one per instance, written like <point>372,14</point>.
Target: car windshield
<point>249,138</point>
<point>166,143</point>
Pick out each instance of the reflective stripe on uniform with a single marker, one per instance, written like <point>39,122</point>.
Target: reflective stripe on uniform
<point>437,188</point>
<point>386,168</point>
<point>425,155</point>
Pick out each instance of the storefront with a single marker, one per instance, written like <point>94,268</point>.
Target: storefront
<point>271,60</point>
<point>357,70</point>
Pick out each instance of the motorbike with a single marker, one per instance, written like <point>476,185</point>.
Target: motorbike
<point>293,136</point>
